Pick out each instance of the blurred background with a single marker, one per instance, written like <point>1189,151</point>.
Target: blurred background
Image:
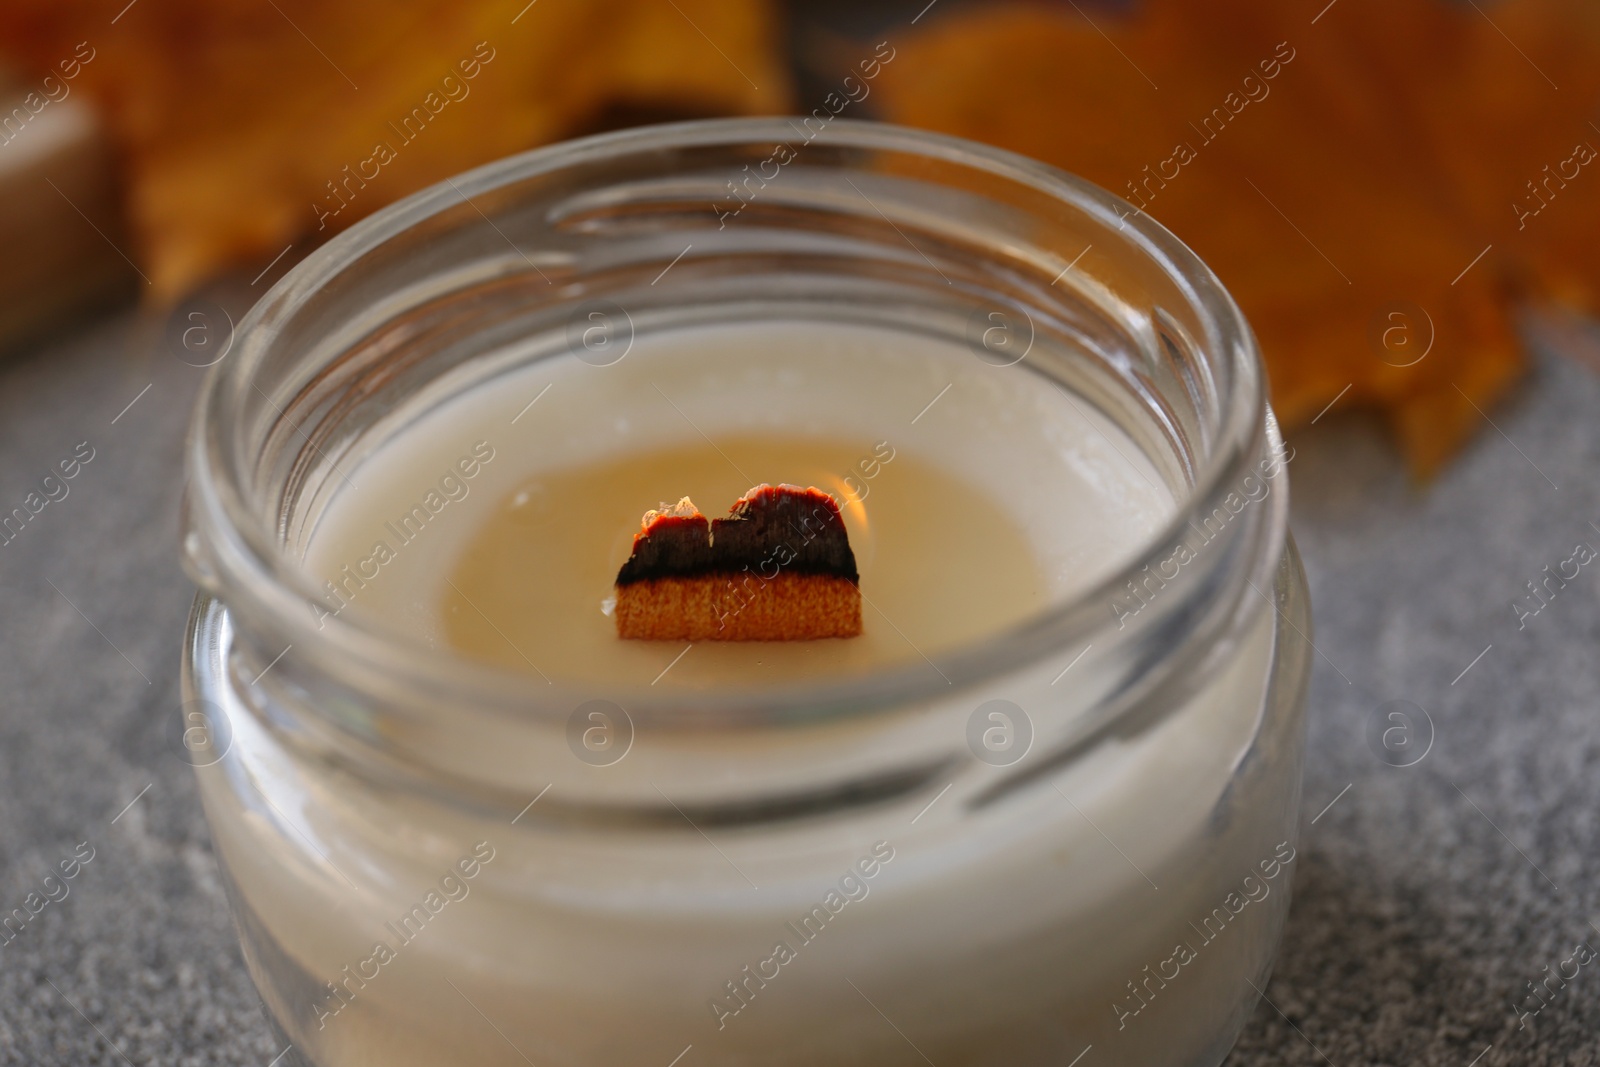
<point>1398,192</point>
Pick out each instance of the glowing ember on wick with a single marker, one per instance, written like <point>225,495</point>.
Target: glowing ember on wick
<point>778,567</point>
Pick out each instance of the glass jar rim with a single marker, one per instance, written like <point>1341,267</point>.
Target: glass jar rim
<point>240,560</point>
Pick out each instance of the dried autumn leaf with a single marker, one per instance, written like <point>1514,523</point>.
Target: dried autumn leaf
<point>245,127</point>
<point>1349,169</point>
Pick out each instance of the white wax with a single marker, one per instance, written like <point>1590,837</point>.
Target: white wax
<point>1015,456</point>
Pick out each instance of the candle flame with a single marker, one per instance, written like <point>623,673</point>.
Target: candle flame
<point>851,507</point>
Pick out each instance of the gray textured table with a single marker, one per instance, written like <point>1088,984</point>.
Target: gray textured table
<point>1426,898</point>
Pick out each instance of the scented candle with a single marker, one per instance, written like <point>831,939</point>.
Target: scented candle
<point>1042,807</point>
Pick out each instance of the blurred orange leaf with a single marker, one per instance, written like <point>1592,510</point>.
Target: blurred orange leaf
<point>247,125</point>
<point>1366,176</point>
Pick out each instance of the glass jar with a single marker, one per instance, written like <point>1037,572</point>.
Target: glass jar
<point>1071,839</point>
